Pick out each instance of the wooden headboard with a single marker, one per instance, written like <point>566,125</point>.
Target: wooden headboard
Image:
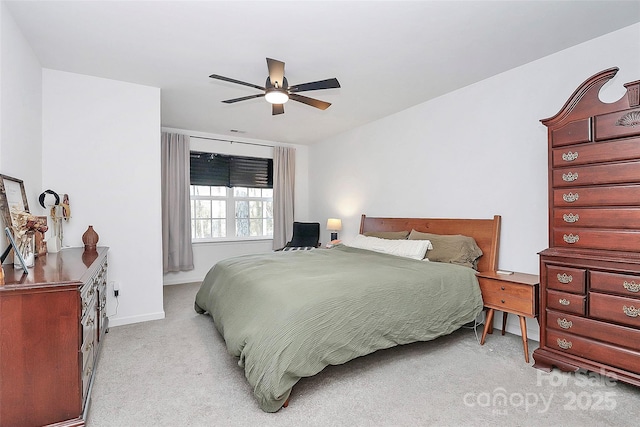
<point>486,232</point>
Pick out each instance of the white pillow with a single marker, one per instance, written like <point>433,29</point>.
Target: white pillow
<point>414,249</point>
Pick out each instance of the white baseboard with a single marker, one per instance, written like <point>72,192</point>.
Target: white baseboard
<point>120,321</point>
<point>181,280</point>
<point>513,326</point>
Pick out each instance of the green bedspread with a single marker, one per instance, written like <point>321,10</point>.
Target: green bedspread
<point>287,315</point>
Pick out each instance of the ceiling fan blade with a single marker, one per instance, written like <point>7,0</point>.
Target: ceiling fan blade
<point>277,109</point>
<point>227,79</point>
<point>321,84</point>
<point>310,101</point>
<point>244,98</point>
<point>276,71</point>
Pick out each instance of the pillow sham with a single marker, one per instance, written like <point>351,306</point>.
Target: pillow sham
<point>409,249</point>
<point>450,248</point>
<point>390,235</point>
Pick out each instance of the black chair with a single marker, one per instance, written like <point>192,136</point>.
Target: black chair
<point>306,235</point>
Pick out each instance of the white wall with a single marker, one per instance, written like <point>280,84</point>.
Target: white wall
<point>20,110</point>
<point>101,145</point>
<point>206,255</point>
<point>475,152</point>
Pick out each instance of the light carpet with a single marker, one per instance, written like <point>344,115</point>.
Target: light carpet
<point>177,372</point>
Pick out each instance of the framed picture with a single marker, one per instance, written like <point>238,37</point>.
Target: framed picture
<point>12,195</point>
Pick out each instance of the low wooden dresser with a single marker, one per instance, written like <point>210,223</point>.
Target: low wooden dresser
<point>52,322</point>
<point>590,274</point>
<point>515,293</point>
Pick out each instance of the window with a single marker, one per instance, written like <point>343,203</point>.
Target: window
<point>231,197</point>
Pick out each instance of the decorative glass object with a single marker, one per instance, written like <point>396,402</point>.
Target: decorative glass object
<point>26,246</point>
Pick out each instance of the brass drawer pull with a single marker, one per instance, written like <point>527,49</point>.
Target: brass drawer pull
<point>564,323</point>
<point>88,347</point>
<point>570,218</point>
<point>569,177</point>
<point>564,301</point>
<point>631,311</point>
<point>564,344</point>
<point>90,321</point>
<point>570,238</point>
<point>570,197</point>
<point>631,286</point>
<point>564,278</point>
<point>569,156</point>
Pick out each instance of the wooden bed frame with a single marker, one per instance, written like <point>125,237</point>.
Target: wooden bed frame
<point>486,232</point>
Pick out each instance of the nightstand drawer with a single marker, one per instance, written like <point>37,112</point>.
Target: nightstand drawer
<point>511,297</point>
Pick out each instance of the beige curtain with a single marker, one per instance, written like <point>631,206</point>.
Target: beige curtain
<point>177,252</point>
<point>284,171</point>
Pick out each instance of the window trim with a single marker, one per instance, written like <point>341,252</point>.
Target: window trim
<point>227,240</point>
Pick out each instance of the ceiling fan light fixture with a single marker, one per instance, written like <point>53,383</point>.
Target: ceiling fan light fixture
<point>276,96</point>
<point>277,91</point>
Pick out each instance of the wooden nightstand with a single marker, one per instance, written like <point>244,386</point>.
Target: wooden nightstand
<point>515,293</point>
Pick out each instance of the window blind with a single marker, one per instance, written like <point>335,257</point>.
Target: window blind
<point>230,171</point>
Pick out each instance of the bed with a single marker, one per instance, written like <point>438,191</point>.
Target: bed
<point>288,315</point>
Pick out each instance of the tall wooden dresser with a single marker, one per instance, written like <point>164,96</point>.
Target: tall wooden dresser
<point>590,274</point>
<point>52,322</point>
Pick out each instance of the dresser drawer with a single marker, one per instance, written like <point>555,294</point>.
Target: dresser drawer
<point>566,279</point>
<point>102,316</point>
<point>87,295</point>
<point>572,133</point>
<point>618,124</point>
<point>627,149</point>
<point>569,303</point>
<point>615,173</point>
<point>593,350</point>
<point>619,195</point>
<point>88,356</point>
<point>622,284</point>
<point>592,238</point>
<point>615,309</point>
<point>512,297</point>
<point>87,372</point>
<point>88,323</point>
<point>601,331</point>
<point>597,218</point>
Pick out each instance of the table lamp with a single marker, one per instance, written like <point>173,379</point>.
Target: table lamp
<point>334,225</point>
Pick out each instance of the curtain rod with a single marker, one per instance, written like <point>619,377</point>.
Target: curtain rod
<point>232,141</point>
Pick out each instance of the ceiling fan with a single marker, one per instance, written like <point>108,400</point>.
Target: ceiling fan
<point>277,90</point>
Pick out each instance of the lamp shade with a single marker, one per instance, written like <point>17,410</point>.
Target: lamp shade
<point>334,224</point>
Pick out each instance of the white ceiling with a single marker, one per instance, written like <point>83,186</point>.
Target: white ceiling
<point>387,55</point>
